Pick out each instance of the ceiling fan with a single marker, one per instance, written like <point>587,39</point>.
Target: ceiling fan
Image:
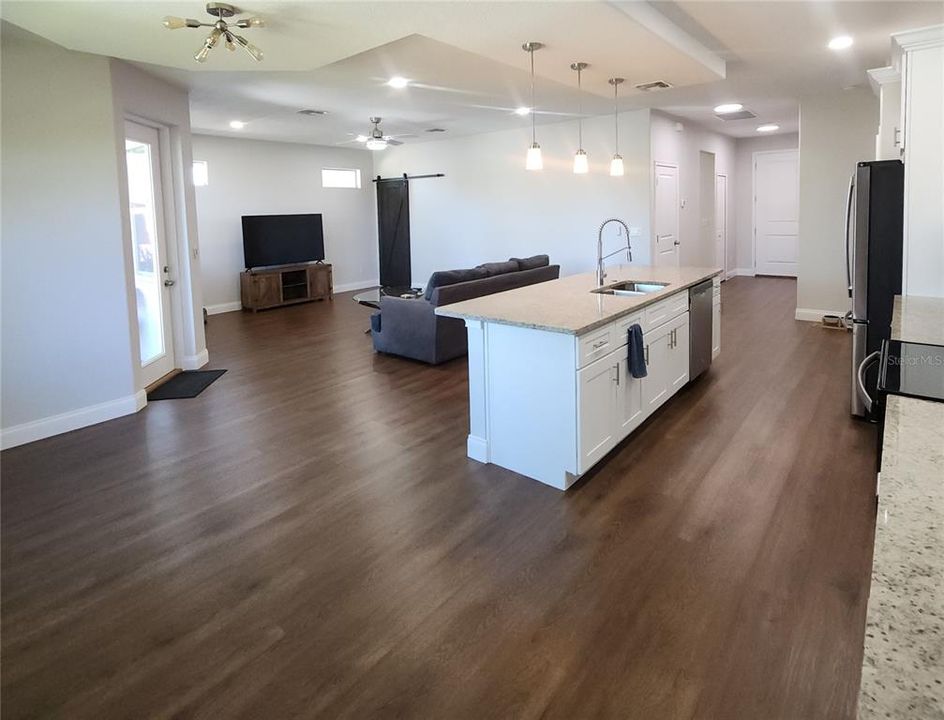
<point>221,30</point>
<point>376,140</point>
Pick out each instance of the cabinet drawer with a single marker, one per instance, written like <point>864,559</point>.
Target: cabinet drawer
<point>594,345</point>
<point>664,310</point>
<point>620,329</point>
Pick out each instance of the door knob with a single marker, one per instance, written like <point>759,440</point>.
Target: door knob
<point>169,283</point>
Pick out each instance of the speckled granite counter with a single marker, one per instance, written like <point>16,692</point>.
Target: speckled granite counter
<point>568,306</point>
<point>903,668</point>
<point>918,319</point>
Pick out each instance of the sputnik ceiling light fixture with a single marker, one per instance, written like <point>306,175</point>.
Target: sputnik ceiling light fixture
<point>533,160</point>
<point>221,30</point>
<point>616,164</point>
<point>581,160</point>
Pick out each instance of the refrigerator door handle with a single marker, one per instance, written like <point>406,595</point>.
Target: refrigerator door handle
<point>860,376</point>
<point>849,200</point>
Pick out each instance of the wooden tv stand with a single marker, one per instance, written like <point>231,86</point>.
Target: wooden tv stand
<point>285,285</point>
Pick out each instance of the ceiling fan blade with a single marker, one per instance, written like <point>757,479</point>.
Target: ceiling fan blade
<point>391,141</point>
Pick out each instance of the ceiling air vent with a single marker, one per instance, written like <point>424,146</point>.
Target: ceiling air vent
<point>313,112</point>
<point>435,130</point>
<point>744,114</point>
<point>655,85</point>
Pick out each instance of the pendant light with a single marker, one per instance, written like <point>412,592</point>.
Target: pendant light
<point>533,161</point>
<point>616,164</point>
<point>581,160</point>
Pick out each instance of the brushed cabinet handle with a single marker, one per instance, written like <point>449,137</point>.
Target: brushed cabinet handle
<point>646,353</point>
<point>598,345</point>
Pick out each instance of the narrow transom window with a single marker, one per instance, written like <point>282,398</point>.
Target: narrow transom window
<point>201,175</point>
<point>340,178</point>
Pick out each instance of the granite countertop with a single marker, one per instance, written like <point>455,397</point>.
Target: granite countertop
<point>567,305</point>
<point>918,319</point>
<point>903,666</point>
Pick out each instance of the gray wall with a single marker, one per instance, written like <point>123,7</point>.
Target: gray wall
<point>256,177</point>
<point>488,207</point>
<point>836,131</point>
<point>66,342</point>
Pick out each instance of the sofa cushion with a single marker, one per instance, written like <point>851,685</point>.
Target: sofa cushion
<point>500,268</point>
<point>535,261</point>
<point>451,277</point>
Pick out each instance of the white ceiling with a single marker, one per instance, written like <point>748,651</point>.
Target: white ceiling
<point>466,64</point>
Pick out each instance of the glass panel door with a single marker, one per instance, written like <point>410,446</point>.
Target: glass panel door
<point>149,251</point>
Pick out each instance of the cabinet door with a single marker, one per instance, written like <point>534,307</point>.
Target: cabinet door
<point>655,386</point>
<point>629,401</point>
<point>716,328</point>
<point>597,391</point>
<point>318,282</point>
<point>678,355</point>
<point>268,289</point>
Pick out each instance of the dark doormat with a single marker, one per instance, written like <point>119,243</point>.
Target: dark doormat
<point>187,384</point>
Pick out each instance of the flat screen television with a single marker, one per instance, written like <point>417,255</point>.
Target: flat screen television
<point>282,239</point>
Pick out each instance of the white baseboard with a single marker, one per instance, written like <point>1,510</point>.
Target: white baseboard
<point>73,420</point>
<point>195,362</point>
<point>743,272</point>
<point>358,285</point>
<point>223,308</point>
<point>814,315</point>
<point>477,448</point>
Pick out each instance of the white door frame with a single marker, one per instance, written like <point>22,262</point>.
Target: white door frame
<point>652,209</point>
<point>724,236</point>
<point>173,241</point>
<point>754,197</point>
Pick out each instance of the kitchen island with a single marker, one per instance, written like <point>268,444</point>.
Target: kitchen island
<point>550,392</point>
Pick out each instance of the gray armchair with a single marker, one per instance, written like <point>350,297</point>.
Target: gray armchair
<point>410,327</point>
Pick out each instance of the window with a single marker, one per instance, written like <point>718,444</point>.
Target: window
<point>340,178</point>
<point>201,177</point>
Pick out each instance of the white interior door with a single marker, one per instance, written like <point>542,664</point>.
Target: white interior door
<point>152,271</point>
<point>776,212</point>
<point>666,214</point>
<point>721,223</point>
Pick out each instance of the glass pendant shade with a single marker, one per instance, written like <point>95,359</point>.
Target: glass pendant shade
<point>174,23</point>
<point>581,163</point>
<point>534,161</point>
<point>616,166</point>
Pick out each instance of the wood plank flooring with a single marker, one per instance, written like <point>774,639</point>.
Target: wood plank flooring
<point>307,539</point>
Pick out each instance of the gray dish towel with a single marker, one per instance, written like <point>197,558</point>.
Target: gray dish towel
<point>637,355</point>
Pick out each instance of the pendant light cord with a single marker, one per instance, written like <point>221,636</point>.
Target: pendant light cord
<point>616,115</point>
<point>531,53</point>
<point>579,111</point>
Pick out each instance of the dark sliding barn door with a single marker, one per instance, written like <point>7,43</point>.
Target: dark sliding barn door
<point>393,219</point>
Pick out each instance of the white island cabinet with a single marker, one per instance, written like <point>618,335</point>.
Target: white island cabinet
<point>551,392</point>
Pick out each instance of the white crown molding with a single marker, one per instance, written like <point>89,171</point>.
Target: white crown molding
<point>918,39</point>
<point>883,76</point>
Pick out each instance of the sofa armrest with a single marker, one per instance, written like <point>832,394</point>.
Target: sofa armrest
<point>407,328</point>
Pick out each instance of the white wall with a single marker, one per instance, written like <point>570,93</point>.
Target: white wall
<point>66,341</point>
<point>256,177</point>
<point>488,207</point>
<point>836,131</point>
<point>744,196</point>
<point>682,149</point>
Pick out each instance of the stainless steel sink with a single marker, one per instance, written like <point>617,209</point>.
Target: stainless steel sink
<point>631,288</point>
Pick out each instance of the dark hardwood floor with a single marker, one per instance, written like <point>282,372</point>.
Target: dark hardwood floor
<point>307,539</point>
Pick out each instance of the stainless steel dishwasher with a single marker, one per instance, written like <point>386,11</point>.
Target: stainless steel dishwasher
<point>700,299</point>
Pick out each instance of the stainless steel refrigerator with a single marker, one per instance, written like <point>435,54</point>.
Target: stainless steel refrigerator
<point>873,269</point>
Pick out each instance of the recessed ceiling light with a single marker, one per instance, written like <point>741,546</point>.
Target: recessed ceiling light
<point>728,108</point>
<point>522,111</point>
<point>237,124</point>
<point>767,128</point>
<point>398,82</point>
<point>840,43</point>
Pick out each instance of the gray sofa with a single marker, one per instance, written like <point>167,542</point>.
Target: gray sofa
<point>410,328</point>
